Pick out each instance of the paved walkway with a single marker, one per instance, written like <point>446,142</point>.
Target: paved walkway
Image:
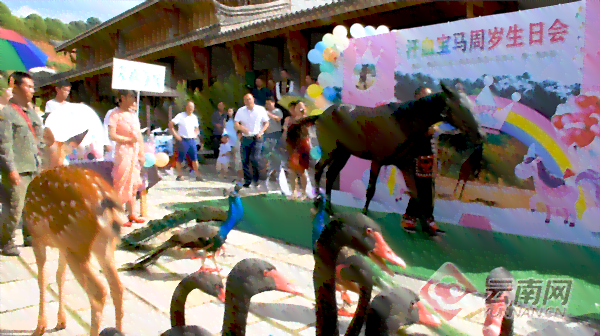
<point>148,293</point>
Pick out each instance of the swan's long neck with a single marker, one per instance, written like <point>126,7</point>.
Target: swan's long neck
<point>360,315</point>
<point>178,307</point>
<point>236,314</point>
<point>324,283</point>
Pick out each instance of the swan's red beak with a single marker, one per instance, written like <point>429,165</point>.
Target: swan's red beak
<point>282,283</point>
<point>382,252</point>
<point>427,318</point>
<point>222,295</point>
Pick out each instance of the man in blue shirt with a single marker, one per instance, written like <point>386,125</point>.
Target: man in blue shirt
<point>260,93</point>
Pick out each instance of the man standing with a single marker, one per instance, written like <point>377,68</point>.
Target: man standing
<point>285,86</point>
<point>20,134</point>
<point>188,130</point>
<point>260,92</point>
<point>218,122</point>
<point>273,135</point>
<point>63,88</point>
<point>253,121</point>
<point>420,206</point>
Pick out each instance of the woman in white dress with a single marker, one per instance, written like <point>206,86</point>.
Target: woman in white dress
<point>234,141</point>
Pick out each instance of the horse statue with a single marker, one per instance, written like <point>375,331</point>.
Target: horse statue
<point>391,134</point>
<point>558,197</point>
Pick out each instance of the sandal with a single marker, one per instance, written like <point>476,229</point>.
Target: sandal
<point>134,219</point>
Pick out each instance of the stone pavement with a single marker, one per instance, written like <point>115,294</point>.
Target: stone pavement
<point>148,293</point>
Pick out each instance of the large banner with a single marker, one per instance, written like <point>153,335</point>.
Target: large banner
<point>524,72</point>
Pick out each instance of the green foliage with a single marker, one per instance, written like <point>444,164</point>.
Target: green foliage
<point>36,27</point>
<point>231,92</point>
<point>60,67</point>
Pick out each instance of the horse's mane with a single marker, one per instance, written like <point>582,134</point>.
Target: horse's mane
<point>549,179</point>
<point>432,103</point>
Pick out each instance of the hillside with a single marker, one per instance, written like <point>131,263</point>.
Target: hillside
<point>41,30</point>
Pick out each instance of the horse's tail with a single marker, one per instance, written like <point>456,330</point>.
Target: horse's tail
<point>299,129</point>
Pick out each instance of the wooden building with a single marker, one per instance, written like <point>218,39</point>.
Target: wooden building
<point>203,39</point>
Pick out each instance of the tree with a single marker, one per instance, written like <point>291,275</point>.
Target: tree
<point>91,22</point>
<point>36,24</point>
<point>56,29</point>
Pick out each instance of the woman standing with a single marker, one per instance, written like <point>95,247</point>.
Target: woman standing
<point>124,130</point>
<point>234,141</point>
<point>298,149</point>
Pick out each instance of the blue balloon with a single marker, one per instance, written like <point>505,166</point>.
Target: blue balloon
<point>320,46</point>
<point>315,56</point>
<point>326,66</point>
<point>149,160</point>
<point>315,153</point>
<point>329,93</point>
<point>370,31</point>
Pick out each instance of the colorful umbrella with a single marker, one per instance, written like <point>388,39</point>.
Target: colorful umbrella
<point>18,53</point>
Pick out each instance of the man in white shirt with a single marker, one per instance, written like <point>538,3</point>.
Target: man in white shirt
<point>252,120</point>
<point>188,129</point>
<point>285,86</point>
<point>63,88</point>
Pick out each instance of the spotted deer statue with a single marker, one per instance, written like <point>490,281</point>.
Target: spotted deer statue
<point>75,210</point>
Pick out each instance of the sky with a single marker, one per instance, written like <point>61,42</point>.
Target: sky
<point>71,10</point>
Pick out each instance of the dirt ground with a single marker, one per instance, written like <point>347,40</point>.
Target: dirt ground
<point>495,195</point>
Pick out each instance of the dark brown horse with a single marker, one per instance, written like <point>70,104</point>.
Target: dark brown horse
<point>386,135</point>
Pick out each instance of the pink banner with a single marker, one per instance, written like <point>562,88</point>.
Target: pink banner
<point>591,59</point>
<point>369,70</point>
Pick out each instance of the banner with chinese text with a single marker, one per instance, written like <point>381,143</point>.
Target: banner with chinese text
<point>523,70</point>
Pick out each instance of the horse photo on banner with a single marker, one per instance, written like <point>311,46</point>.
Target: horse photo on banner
<point>368,69</point>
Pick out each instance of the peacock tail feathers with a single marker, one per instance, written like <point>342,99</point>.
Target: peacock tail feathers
<point>170,221</point>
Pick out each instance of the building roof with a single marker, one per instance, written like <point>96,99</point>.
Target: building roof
<point>328,8</point>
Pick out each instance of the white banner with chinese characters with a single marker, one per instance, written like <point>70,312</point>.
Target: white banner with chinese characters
<point>533,41</point>
<point>129,75</point>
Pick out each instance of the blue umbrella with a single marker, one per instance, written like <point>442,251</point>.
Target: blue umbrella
<point>18,53</point>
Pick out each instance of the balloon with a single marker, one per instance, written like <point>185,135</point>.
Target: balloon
<point>557,121</point>
<point>162,159</point>
<point>325,79</point>
<point>316,112</point>
<point>329,40</point>
<point>149,160</point>
<point>382,30</point>
<point>342,44</point>
<point>326,67</point>
<point>340,31</point>
<point>516,96</point>
<point>329,54</point>
<point>314,90</point>
<point>320,46</point>
<point>584,138</point>
<point>595,129</point>
<point>320,101</point>
<point>369,30</point>
<point>357,30</point>
<point>315,153</point>
<point>315,56</point>
<point>329,93</point>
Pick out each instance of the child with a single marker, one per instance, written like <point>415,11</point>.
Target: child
<point>298,145</point>
<point>224,156</point>
<point>235,141</point>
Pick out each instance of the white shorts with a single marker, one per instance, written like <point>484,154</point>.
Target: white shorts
<point>222,166</point>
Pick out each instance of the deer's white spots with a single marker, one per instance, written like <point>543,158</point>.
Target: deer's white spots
<point>71,218</point>
<point>44,209</point>
<point>50,218</point>
<point>73,204</point>
<point>55,184</point>
<point>62,203</point>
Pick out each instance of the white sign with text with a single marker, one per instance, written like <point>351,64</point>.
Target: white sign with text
<point>129,75</point>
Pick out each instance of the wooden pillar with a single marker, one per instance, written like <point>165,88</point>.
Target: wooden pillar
<point>470,10</point>
<point>298,49</point>
<point>201,57</point>
<point>241,58</point>
<point>148,115</point>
